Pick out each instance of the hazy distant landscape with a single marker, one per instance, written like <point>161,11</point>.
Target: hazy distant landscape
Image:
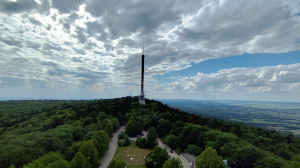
<point>281,116</point>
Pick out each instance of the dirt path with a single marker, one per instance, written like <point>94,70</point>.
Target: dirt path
<point>112,149</point>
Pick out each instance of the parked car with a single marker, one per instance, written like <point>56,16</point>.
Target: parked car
<point>171,151</point>
<point>142,134</point>
<point>163,142</point>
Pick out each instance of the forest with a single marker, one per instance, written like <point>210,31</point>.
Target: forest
<point>50,133</point>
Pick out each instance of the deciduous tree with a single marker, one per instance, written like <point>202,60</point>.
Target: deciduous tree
<point>172,163</point>
<point>79,161</point>
<point>88,149</point>
<point>117,163</point>
<point>109,129</point>
<point>209,159</point>
<point>151,141</point>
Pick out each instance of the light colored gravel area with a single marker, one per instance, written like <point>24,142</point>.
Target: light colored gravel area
<point>105,160</point>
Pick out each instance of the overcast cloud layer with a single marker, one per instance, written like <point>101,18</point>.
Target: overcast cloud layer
<point>92,48</point>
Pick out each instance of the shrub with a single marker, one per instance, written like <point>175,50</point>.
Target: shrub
<point>140,142</point>
<point>123,139</point>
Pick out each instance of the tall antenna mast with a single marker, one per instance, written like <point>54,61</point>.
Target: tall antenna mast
<point>142,95</point>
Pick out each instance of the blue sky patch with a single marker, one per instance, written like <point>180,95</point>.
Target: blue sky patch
<point>240,61</point>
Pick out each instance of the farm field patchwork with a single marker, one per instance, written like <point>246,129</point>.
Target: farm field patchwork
<point>280,116</point>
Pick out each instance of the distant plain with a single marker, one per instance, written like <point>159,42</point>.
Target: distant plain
<point>281,116</point>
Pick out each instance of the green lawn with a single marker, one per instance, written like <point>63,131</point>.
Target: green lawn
<point>134,152</point>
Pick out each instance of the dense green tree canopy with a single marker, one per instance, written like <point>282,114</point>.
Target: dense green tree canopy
<point>123,139</point>
<point>117,163</point>
<point>88,149</point>
<point>141,142</point>
<point>79,161</point>
<point>50,159</point>
<point>172,163</point>
<point>59,164</point>
<point>31,129</point>
<point>172,141</point>
<point>164,127</point>
<point>151,141</point>
<point>247,156</point>
<point>109,129</point>
<point>130,128</point>
<point>193,149</point>
<point>133,127</point>
<point>156,158</point>
<point>209,159</point>
<point>88,121</point>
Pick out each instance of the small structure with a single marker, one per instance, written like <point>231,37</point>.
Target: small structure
<point>226,162</point>
<point>189,158</point>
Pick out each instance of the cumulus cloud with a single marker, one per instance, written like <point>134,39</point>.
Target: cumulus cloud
<point>279,78</point>
<point>11,41</point>
<point>66,6</point>
<point>17,6</point>
<point>35,21</point>
<point>176,86</point>
<point>98,43</point>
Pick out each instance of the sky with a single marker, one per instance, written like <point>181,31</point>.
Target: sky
<point>194,49</point>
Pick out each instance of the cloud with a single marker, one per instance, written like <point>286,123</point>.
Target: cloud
<point>124,18</point>
<point>12,82</point>
<point>127,42</point>
<point>80,34</point>
<point>97,43</point>
<point>67,6</point>
<point>158,88</point>
<point>19,6</point>
<point>76,59</point>
<point>52,46</point>
<point>37,83</point>
<point>97,30</point>
<point>32,44</point>
<point>175,86</point>
<point>20,60</point>
<point>109,47</point>
<point>35,21</point>
<point>11,41</point>
<point>81,52</point>
<point>274,78</point>
<point>49,63</point>
<point>67,21</point>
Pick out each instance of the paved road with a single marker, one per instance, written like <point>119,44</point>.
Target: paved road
<point>112,149</point>
<point>174,154</point>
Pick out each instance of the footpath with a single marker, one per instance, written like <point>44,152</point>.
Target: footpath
<point>105,160</point>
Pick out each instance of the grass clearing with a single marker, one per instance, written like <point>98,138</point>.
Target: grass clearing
<point>134,152</point>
